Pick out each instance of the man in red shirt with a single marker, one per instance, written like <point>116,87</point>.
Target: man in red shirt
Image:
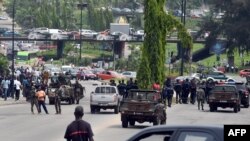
<point>79,130</point>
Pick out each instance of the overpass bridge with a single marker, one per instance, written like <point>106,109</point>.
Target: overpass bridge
<point>118,44</point>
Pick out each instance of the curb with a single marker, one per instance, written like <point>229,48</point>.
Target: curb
<point>11,102</point>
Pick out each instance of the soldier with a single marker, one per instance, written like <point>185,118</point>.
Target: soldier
<point>112,83</point>
<point>78,89</point>
<point>200,97</point>
<point>122,88</point>
<point>177,88</point>
<point>209,86</point>
<point>58,100</point>
<point>54,81</point>
<point>185,91</point>
<point>193,91</point>
<point>45,77</point>
<point>160,111</point>
<point>134,85</point>
<point>33,99</point>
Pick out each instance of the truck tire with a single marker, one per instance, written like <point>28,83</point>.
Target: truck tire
<point>246,106</point>
<point>211,108</point>
<point>51,102</point>
<point>132,123</point>
<point>125,123</point>
<point>92,109</point>
<point>116,109</point>
<point>235,108</point>
<point>157,121</point>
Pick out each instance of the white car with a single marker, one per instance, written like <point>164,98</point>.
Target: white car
<point>129,74</point>
<point>88,33</point>
<point>105,97</point>
<point>139,32</point>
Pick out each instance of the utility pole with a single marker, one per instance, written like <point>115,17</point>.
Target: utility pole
<point>13,48</point>
<point>81,6</point>
<point>183,20</point>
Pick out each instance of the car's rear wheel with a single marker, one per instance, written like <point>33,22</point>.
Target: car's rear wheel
<point>132,123</point>
<point>92,109</point>
<point>212,109</point>
<point>246,106</point>
<point>116,110</point>
<point>235,108</point>
<point>125,123</point>
<point>157,121</point>
<point>51,101</point>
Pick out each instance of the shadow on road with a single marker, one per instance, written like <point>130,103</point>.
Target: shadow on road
<point>138,126</point>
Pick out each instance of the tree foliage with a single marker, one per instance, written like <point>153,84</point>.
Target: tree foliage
<point>157,25</point>
<point>61,14</point>
<point>234,25</point>
<point>3,65</point>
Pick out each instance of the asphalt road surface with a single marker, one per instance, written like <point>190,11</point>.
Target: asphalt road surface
<point>17,123</point>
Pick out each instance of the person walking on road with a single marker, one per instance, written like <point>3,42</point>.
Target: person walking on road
<point>200,97</point>
<point>33,99</point>
<point>58,95</point>
<point>5,85</point>
<point>18,87</point>
<point>79,130</point>
<point>40,94</point>
<point>177,88</point>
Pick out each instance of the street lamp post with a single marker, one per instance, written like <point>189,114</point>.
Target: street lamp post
<point>183,20</point>
<point>81,6</point>
<point>13,48</point>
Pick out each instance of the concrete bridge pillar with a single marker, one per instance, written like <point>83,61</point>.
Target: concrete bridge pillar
<point>119,48</point>
<point>60,47</point>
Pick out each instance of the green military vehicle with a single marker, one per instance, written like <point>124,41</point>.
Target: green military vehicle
<point>224,96</point>
<point>140,106</point>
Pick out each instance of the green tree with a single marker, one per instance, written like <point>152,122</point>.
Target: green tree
<point>157,25</point>
<point>234,25</point>
<point>3,65</point>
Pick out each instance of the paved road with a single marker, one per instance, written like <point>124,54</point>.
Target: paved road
<point>17,122</point>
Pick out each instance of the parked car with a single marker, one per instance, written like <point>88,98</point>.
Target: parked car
<point>243,90</point>
<point>97,70</point>
<point>89,75</point>
<point>88,33</point>
<point>244,72</point>
<point>217,76</point>
<point>197,76</point>
<point>74,72</point>
<point>129,74</point>
<point>180,133</point>
<point>225,96</point>
<point>10,34</point>
<point>105,97</point>
<point>105,75</point>
<point>3,30</point>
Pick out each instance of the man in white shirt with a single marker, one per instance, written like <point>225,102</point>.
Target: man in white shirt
<point>5,85</point>
<point>18,86</point>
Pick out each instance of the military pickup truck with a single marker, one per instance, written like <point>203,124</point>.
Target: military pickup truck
<point>224,96</point>
<point>140,106</point>
<point>66,93</point>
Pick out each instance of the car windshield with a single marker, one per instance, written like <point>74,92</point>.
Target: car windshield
<point>224,88</point>
<point>141,96</point>
<point>101,90</point>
